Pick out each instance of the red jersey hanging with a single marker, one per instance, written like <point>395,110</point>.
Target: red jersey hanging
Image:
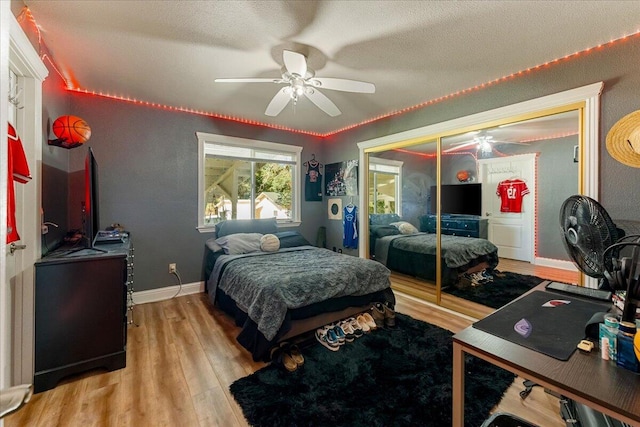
<point>511,192</point>
<point>19,172</point>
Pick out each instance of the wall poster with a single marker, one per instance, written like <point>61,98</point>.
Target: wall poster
<point>334,208</point>
<point>341,179</point>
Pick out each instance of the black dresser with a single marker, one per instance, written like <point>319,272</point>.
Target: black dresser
<point>80,311</point>
<point>456,225</point>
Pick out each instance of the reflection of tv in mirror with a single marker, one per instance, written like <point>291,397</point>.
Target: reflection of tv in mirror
<point>461,199</point>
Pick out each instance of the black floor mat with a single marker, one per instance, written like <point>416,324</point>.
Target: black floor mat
<point>540,322</point>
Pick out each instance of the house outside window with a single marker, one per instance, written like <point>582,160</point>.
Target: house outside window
<point>241,178</point>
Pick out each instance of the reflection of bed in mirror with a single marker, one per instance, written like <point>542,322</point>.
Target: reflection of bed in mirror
<point>408,250</point>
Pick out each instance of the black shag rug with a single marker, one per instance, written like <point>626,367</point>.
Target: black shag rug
<point>505,287</point>
<point>389,377</point>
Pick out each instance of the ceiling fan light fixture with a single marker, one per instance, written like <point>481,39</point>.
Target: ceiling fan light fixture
<point>300,81</point>
<point>484,146</point>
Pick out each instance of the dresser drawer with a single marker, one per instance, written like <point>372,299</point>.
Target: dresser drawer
<point>464,226</point>
<point>461,224</point>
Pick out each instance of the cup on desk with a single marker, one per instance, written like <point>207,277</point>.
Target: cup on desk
<point>626,353</point>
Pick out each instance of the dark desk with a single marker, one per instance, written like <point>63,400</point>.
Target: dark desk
<point>585,377</point>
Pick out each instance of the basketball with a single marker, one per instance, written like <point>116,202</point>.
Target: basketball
<point>463,176</point>
<point>72,130</point>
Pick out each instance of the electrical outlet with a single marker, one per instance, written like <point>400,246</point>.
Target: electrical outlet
<point>172,268</point>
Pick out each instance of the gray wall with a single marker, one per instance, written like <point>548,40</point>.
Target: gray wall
<point>147,160</point>
<point>55,165</point>
<point>616,66</point>
<point>147,156</point>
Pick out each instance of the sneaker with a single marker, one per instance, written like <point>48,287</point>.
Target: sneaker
<point>369,320</point>
<point>349,334</point>
<point>322,335</point>
<point>355,326</point>
<point>377,312</point>
<point>340,335</point>
<point>487,275</point>
<point>362,323</point>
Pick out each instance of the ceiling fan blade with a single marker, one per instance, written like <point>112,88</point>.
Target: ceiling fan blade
<point>249,80</point>
<point>279,101</point>
<point>511,142</point>
<point>344,85</point>
<point>460,146</point>
<point>295,63</point>
<point>324,103</point>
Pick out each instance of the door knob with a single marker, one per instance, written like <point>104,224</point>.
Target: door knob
<point>13,247</point>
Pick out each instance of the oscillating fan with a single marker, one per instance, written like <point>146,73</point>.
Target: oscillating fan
<point>591,240</point>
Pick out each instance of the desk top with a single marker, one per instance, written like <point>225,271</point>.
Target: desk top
<point>72,253</point>
<point>584,377</point>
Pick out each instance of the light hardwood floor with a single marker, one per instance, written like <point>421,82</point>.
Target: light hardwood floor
<point>181,360</point>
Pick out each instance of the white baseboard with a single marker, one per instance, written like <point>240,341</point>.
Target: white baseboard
<point>556,263</point>
<point>161,294</point>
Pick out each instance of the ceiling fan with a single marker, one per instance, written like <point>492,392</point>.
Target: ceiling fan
<point>482,141</point>
<point>300,80</point>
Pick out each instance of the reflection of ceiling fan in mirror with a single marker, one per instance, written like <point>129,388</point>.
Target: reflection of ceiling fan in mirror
<point>300,80</point>
<point>483,143</point>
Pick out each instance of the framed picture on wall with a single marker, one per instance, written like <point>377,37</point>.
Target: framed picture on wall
<point>341,179</point>
<point>334,208</point>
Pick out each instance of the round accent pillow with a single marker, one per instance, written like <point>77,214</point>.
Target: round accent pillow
<point>269,243</point>
<point>407,228</point>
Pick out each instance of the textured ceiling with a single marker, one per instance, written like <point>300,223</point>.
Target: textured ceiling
<point>170,52</point>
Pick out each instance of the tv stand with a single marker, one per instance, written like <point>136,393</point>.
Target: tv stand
<point>87,244</point>
<point>456,225</point>
<point>80,311</point>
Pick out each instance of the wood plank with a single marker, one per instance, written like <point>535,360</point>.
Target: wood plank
<point>137,389</point>
<point>158,386</point>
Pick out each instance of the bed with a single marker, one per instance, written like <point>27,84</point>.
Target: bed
<point>406,249</point>
<point>277,295</point>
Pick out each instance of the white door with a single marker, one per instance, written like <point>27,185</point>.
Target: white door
<point>18,275</point>
<point>513,232</point>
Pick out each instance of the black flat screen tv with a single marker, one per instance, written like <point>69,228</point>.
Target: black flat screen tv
<point>91,210</point>
<point>460,199</point>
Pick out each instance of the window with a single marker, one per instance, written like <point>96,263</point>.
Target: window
<point>385,182</point>
<point>247,179</point>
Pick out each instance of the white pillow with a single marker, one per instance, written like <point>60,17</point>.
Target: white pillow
<point>269,243</point>
<point>240,243</point>
<point>211,244</point>
<point>405,227</point>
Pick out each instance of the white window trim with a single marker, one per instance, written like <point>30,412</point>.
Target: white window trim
<point>395,163</point>
<point>203,138</point>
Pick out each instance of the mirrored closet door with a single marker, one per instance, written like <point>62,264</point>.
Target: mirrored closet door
<point>461,214</point>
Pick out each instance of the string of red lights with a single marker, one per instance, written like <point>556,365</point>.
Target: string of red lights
<point>70,85</point>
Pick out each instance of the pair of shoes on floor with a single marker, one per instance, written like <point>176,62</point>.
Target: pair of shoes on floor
<point>288,356</point>
<point>327,336</point>
<point>383,315</point>
<point>476,279</point>
<point>366,322</point>
<point>487,275</point>
<point>349,331</point>
<point>359,324</point>
<point>334,335</point>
